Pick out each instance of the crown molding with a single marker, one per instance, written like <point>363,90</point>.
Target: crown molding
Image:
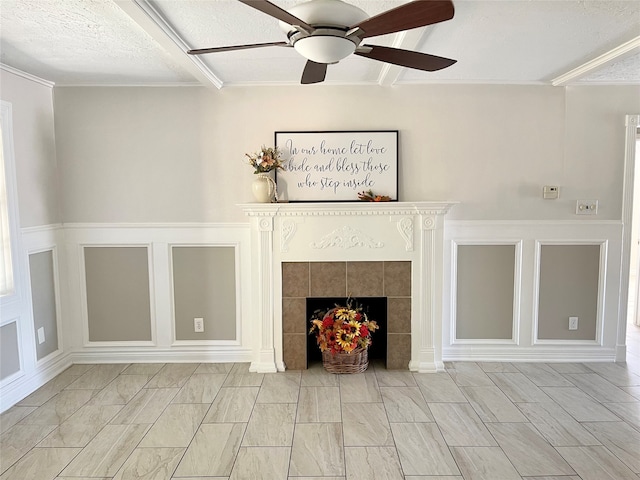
<point>27,76</point>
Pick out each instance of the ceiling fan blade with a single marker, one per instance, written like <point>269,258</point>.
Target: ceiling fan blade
<point>275,11</point>
<point>405,17</point>
<point>314,72</point>
<point>200,51</point>
<point>407,58</point>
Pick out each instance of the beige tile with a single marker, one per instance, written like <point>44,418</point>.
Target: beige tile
<point>599,388</point>
<point>49,389</point>
<point>543,375</point>
<point>107,452</point>
<point>200,388</point>
<point>359,388</point>
<point>213,450</point>
<point>317,450</point>
<point>365,425</point>
<point>460,425</point>
<point>328,279</point>
<point>569,368</point>
<point>405,405</point>
<point>615,373</point>
<point>258,463</point>
<point>498,367</point>
<point>398,351</point>
<point>468,374</point>
<point>240,376</point>
<point>492,405</point>
<point>365,279</point>
<point>621,439</point>
<point>232,404</point>
<point>397,279</point>
<point>213,368</point>
<point>146,406</point>
<point>295,350</point>
<point>97,377</point>
<point>556,425</point>
<point>438,387</point>
<point>121,390</point>
<point>283,387</point>
<point>596,463</point>
<point>295,279</point>
<point>629,412</point>
<point>150,464</point>
<point>12,416</point>
<point>81,427</point>
<point>172,375</point>
<point>317,376</point>
<point>40,464</point>
<point>528,451</point>
<point>366,463</point>
<point>59,408</point>
<point>518,387</point>
<point>319,405</point>
<point>394,378</point>
<point>580,405</point>
<point>484,463</point>
<point>18,440</point>
<point>422,449</point>
<point>79,369</point>
<point>176,426</point>
<point>270,425</point>
<point>399,314</point>
<point>294,315</point>
<point>143,369</point>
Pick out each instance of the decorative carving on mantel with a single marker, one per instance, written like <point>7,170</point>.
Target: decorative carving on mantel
<point>405,227</point>
<point>345,238</point>
<point>265,224</point>
<point>287,231</point>
<point>429,223</point>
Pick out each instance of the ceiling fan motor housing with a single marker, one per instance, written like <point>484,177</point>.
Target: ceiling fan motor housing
<point>328,42</point>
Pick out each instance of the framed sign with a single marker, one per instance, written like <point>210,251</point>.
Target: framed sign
<point>335,166</point>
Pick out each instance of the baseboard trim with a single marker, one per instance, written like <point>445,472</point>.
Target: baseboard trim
<point>544,355</point>
<point>200,355</point>
<point>13,392</point>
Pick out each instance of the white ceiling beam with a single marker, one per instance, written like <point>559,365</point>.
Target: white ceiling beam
<point>407,40</point>
<point>618,53</point>
<point>154,24</point>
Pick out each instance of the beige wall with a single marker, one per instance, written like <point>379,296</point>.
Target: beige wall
<point>484,298</point>
<point>43,299</point>
<point>35,149</point>
<point>117,285</point>
<point>204,286</point>
<point>177,154</point>
<point>568,287</point>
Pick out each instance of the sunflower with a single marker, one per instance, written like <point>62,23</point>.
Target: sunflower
<point>354,327</point>
<point>345,314</point>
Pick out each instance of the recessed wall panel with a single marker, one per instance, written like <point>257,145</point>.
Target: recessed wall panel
<point>485,289</point>
<point>43,299</point>
<point>204,286</point>
<point>118,300</point>
<point>9,352</point>
<point>568,288</point>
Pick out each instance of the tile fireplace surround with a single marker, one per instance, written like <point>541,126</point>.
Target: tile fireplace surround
<point>348,232</point>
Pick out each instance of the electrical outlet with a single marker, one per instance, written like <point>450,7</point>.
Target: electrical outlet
<point>40,335</point>
<point>550,192</point>
<point>573,323</point>
<point>586,207</point>
<point>198,325</point>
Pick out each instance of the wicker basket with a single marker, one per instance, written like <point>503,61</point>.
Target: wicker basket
<point>355,362</point>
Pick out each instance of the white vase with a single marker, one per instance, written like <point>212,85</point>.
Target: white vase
<point>263,188</point>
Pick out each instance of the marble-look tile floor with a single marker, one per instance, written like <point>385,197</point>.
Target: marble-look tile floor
<point>476,421</point>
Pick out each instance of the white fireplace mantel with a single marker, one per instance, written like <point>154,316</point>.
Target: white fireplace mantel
<point>359,231</point>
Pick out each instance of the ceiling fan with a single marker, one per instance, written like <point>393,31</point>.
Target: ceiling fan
<point>327,31</point>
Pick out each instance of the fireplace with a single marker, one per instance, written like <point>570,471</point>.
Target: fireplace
<point>344,242</point>
<point>391,281</point>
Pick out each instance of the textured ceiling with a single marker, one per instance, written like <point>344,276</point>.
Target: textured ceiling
<point>143,42</point>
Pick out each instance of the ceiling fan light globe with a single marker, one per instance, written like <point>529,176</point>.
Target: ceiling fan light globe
<point>324,49</point>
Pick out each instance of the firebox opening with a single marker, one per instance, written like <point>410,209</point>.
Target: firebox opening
<point>374,307</point>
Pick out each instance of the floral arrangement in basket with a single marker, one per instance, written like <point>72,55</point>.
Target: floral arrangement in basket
<point>342,328</point>
<point>267,159</point>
